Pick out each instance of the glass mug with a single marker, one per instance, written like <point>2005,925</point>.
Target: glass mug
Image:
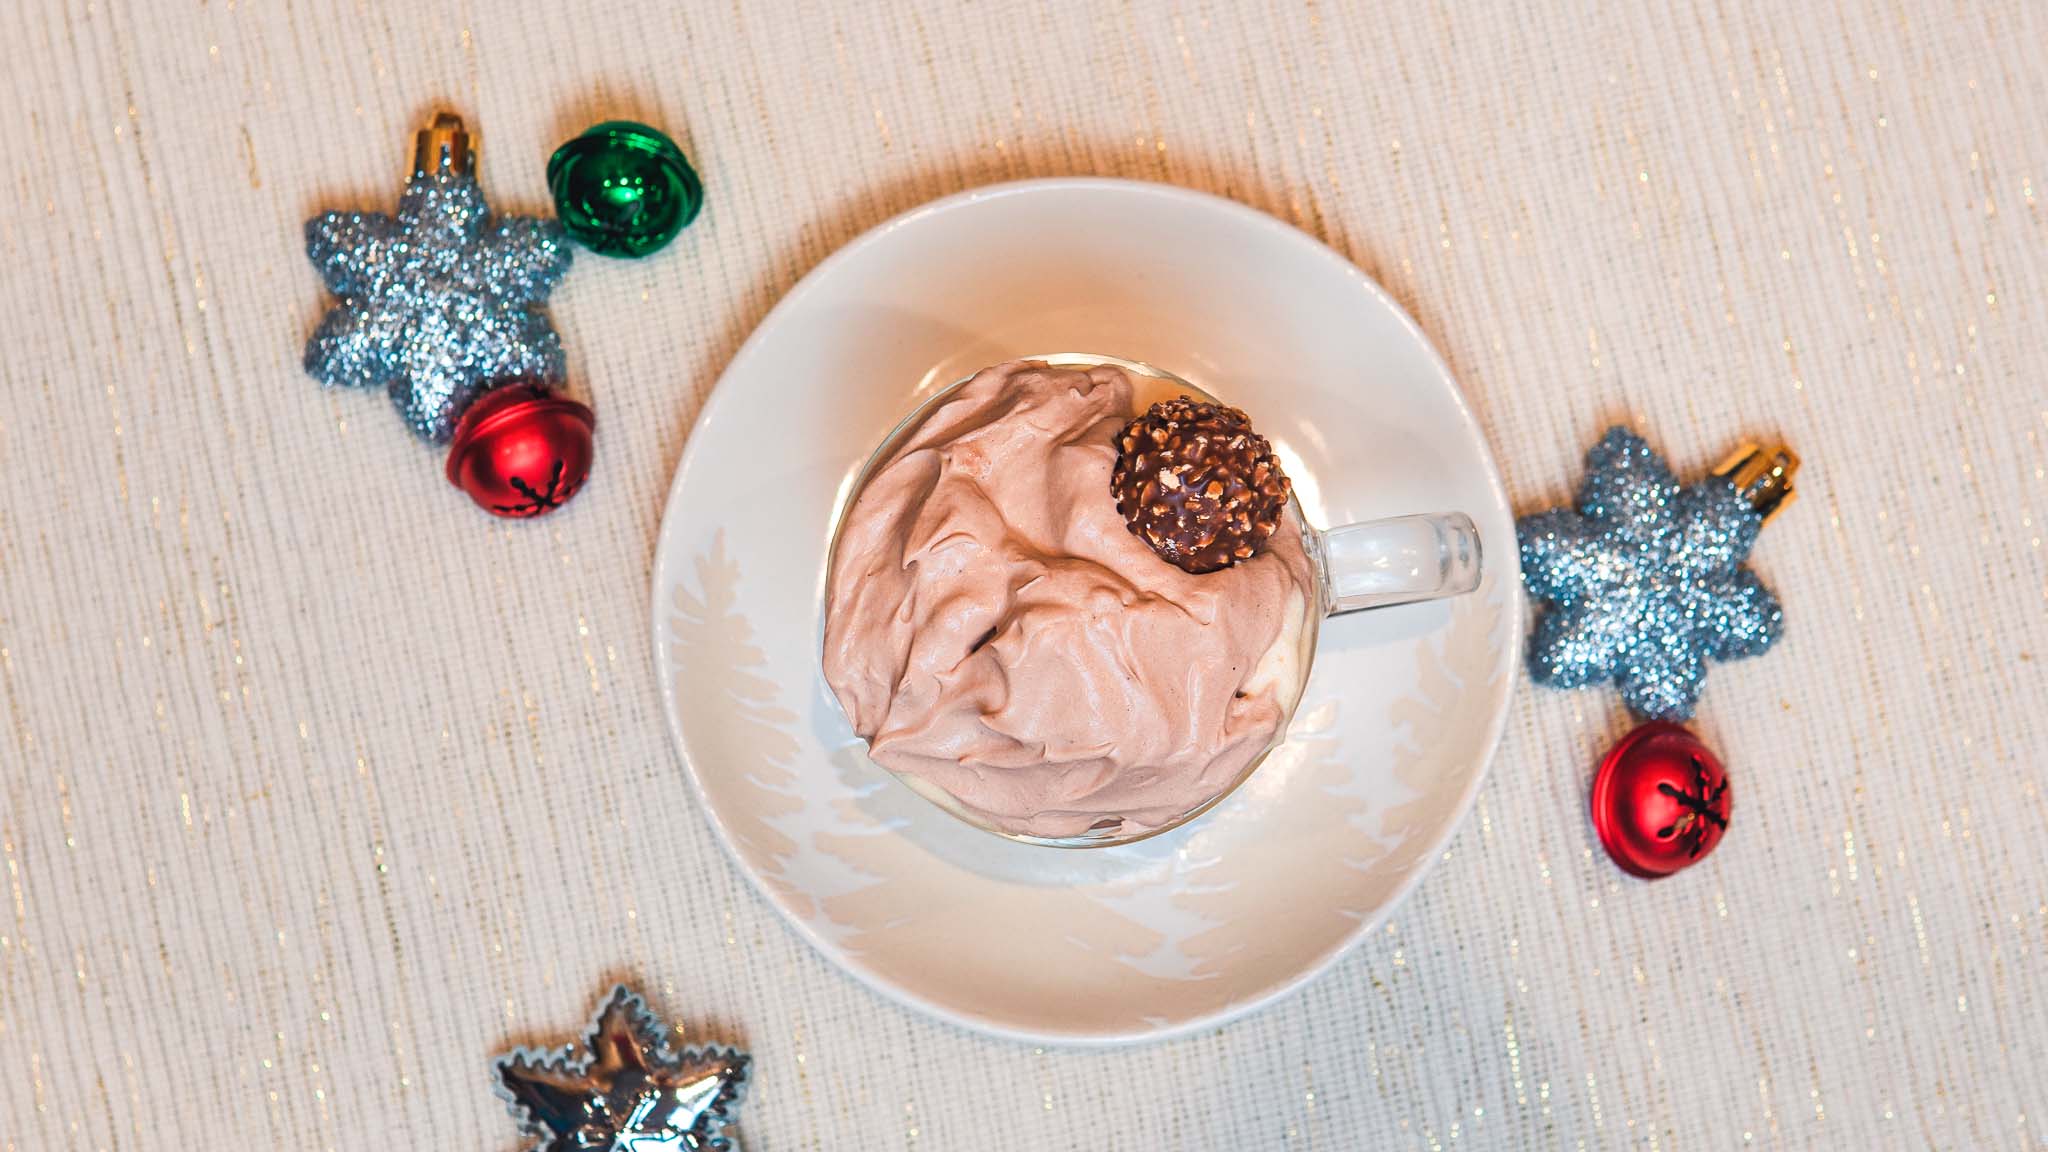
<point>1373,564</point>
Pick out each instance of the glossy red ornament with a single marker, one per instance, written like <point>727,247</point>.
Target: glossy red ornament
<point>1660,800</point>
<point>521,450</point>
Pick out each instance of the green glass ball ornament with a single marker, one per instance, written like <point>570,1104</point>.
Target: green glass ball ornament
<point>623,189</point>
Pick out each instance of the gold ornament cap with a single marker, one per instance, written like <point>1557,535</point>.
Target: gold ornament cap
<point>1763,476</point>
<point>443,145</point>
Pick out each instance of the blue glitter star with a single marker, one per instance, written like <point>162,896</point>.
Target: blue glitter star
<point>630,1091</point>
<point>1645,581</point>
<point>442,301</point>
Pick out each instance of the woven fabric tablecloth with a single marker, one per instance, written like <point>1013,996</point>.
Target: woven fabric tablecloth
<point>318,788</point>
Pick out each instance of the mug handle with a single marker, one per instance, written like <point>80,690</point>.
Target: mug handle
<point>1398,560</point>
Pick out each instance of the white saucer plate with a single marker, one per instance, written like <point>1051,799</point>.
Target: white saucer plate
<point>1187,929</point>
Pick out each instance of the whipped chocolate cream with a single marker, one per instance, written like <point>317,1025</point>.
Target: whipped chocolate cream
<point>995,631</point>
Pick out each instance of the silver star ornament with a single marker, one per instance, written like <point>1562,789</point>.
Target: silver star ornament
<point>442,301</point>
<point>1644,582</point>
<point>628,1088</point>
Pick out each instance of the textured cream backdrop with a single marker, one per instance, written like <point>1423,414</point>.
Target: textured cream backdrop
<point>317,788</point>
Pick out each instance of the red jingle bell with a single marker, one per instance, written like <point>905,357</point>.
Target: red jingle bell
<point>1660,801</point>
<point>521,451</point>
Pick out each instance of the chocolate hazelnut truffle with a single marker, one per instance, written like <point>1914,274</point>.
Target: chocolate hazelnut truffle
<point>1195,483</point>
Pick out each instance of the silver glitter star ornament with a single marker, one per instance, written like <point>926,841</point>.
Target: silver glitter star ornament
<point>628,1089</point>
<point>1645,582</point>
<point>442,301</point>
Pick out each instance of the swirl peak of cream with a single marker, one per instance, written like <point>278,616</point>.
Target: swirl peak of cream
<point>995,631</point>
